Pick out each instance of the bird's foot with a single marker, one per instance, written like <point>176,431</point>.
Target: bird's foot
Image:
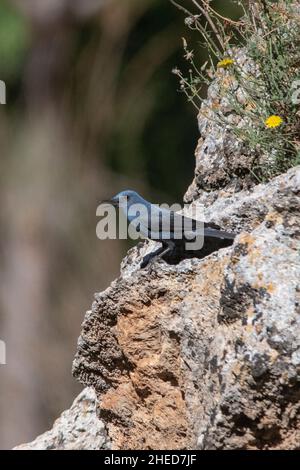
<point>151,266</point>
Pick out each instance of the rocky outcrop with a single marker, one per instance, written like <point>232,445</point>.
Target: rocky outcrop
<point>77,428</point>
<point>201,353</point>
<point>205,354</point>
<point>223,160</point>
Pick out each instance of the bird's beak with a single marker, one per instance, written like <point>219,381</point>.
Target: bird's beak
<point>112,202</point>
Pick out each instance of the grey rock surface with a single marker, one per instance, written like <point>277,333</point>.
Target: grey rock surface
<point>223,160</point>
<point>76,429</point>
<point>205,354</point>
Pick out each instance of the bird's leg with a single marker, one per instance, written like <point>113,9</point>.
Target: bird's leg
<point>148,258</point>
<point>160,253</point>
<point>166,249</point>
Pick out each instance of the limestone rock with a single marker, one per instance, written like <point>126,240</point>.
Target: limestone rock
<point>77,428</point>
<point>223,160</point>
<point>205,354</point>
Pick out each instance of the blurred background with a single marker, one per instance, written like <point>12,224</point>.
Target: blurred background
<point>92,108</point>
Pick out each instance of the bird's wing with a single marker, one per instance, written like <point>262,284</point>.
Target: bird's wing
<point>163,224</point>
<point>168,225</point>
<point>196,227</point>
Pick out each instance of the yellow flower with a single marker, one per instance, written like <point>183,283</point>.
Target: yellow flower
<point>225,63</point>
<point>273,121</point>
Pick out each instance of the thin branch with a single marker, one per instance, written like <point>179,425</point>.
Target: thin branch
<point>180,7</point>
<point>238,23</point>
<point>210,21</point>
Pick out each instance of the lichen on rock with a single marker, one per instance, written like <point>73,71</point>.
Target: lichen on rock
<point>222,159</point>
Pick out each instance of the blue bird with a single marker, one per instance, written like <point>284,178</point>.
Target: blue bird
<point>173,230</point>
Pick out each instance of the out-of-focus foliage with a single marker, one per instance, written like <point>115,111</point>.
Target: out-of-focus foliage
<point>14,41</point>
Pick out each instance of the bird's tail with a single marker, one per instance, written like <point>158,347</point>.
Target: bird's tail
<point>212,232</point>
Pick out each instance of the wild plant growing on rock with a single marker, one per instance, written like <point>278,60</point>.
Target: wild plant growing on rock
<point>263,94</point>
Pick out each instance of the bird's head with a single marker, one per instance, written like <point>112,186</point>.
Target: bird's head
<point>125,198</point>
